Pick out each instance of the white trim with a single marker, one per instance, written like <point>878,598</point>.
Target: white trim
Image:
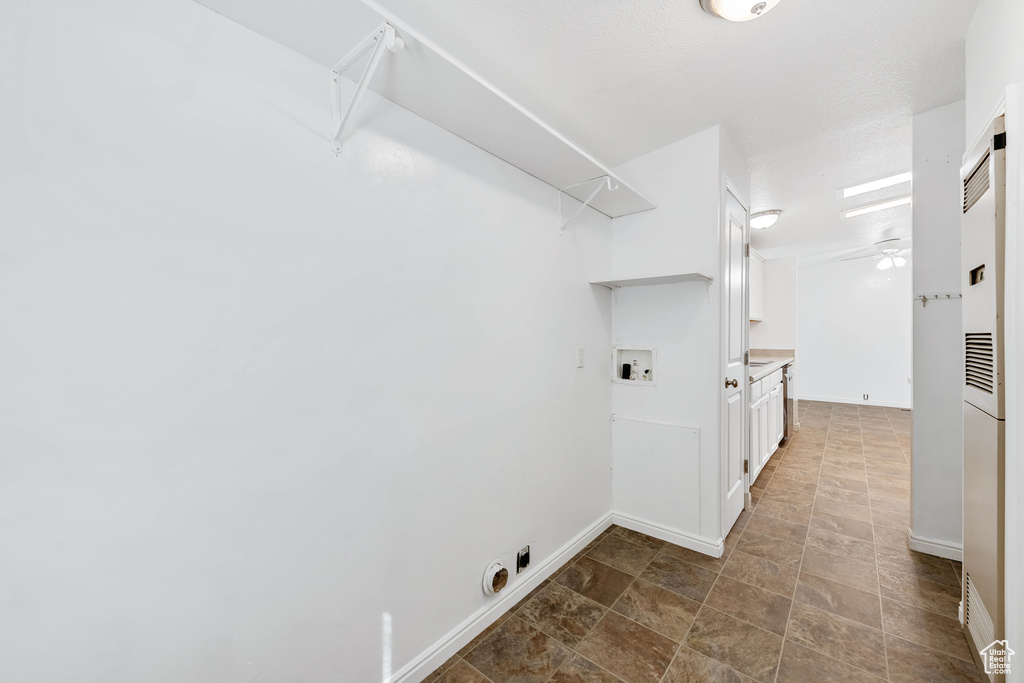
<point>697,543</point>
<point>856,401</point>
<point>438,653</point>
<point>932,546</point>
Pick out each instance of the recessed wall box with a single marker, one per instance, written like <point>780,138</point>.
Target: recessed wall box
<point>634,365</point>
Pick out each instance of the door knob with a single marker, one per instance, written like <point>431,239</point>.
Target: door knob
<point>734,383</point>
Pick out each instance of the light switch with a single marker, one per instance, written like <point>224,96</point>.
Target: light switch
<point>579,356</point>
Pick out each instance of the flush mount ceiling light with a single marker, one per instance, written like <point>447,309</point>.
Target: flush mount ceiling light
<point>764,219</point>
<point>737,10</point>
<point>876,207</point>
<point>876,185</point>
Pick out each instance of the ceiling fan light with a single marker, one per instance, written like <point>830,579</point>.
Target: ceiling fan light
<point>737,10</point>
<point>764,219</point>
<point>899,261</point>
<point>885,263</point>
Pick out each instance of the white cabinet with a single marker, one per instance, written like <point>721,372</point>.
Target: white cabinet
<point>775,410</point>
<point>756,286</point>
<point>767,420</point>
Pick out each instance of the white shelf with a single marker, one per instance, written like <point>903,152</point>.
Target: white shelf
<point>656,280</point>
<point>427,81</point>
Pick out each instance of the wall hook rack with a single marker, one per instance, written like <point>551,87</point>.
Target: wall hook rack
<point>381,39</point>
<point>604,181</point>
<point>925,298</point>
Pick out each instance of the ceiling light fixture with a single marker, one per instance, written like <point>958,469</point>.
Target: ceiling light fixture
<point>737,10</point>
<point>899,261</point>
<point>764,219</point>
<point>885,264</point>
<point>877,185</point>
<point>876,207</point>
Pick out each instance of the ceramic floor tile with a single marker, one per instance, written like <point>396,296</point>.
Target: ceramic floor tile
<point>751,604</point>
<point>518,653</point>
<point>690,666</point>
<point>841,525</point>
<point>562,613</point>
<point>483,634</point>
<point>920,592</point>
<point>847,641</point>
<point>862,575</point>
<point>743,647</point>
<point>848,510</point>
<point>890,537</point>
<point>435,675</point>
<point>459,672</point>
<point>840,495</point>
<point>530,596</point>
<point>899,520</point>
<point>925,628</point>
<point>757,571</point>
<point>909,562</point>
<point>789,512</point>
<point>632,652</point>
<point>638,538</point>
<point>594,580</point>
<point>845,483</point>
<point>712,564</point>
<point>840,599</point>
<point>658,609</point>
<point>776,528</point>
<point>912,662</point>
<point>679,577</point>
<point>792,485</point>
<point>801,664</point>
<point>616,551</point>
<point>579,669</point>
<point>811,575</point>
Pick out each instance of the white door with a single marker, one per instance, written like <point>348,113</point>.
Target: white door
<point>734,338</point>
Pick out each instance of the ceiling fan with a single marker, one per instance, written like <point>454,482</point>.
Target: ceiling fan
<point>889,254</point>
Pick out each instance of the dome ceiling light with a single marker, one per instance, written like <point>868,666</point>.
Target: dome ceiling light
<point>737,10</point>
<point>764,219</point>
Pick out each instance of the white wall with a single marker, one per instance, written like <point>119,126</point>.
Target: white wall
<point>937,489</point>
<point>683,321</point>
<point>995,67</point>
<point>256,396</point>
<point>778,330</point>
<point>855,334</point>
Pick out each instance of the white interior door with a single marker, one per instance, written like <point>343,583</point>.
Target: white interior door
<point>734,337</point>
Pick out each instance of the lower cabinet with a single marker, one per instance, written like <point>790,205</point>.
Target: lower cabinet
<point>767,422</point>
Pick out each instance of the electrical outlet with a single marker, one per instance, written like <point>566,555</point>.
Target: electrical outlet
<point>523,559</point>
<point>579,355</point>
<point>865,397</point>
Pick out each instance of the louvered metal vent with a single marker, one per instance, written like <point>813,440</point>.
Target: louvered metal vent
<point>980,361</point>
<point>976,615</point>
<point>976,183</point>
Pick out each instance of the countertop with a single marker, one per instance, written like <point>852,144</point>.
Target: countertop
<point>775,362</point>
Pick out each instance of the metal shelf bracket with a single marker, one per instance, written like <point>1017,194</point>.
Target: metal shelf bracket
<point>381,39</point>
<point>603,181</point>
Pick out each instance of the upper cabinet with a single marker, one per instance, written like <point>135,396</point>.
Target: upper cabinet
<point>756,286</point>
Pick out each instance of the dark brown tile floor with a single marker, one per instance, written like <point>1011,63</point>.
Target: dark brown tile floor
<point>817,584</point>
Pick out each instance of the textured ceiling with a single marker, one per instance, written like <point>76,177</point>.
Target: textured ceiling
<point>816,95</point>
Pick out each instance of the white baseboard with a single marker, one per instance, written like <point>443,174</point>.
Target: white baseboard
<point>436,655</point>
<point>856,402</point>
<point>714,548</point>
<point>931,546</point>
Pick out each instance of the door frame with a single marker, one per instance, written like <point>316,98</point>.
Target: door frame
<point>728,187</point>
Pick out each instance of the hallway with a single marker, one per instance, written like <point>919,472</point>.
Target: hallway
<point>816,583</point>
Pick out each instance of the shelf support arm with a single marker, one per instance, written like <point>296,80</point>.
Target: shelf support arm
<point>604,181</point>
<point>383,37</point>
